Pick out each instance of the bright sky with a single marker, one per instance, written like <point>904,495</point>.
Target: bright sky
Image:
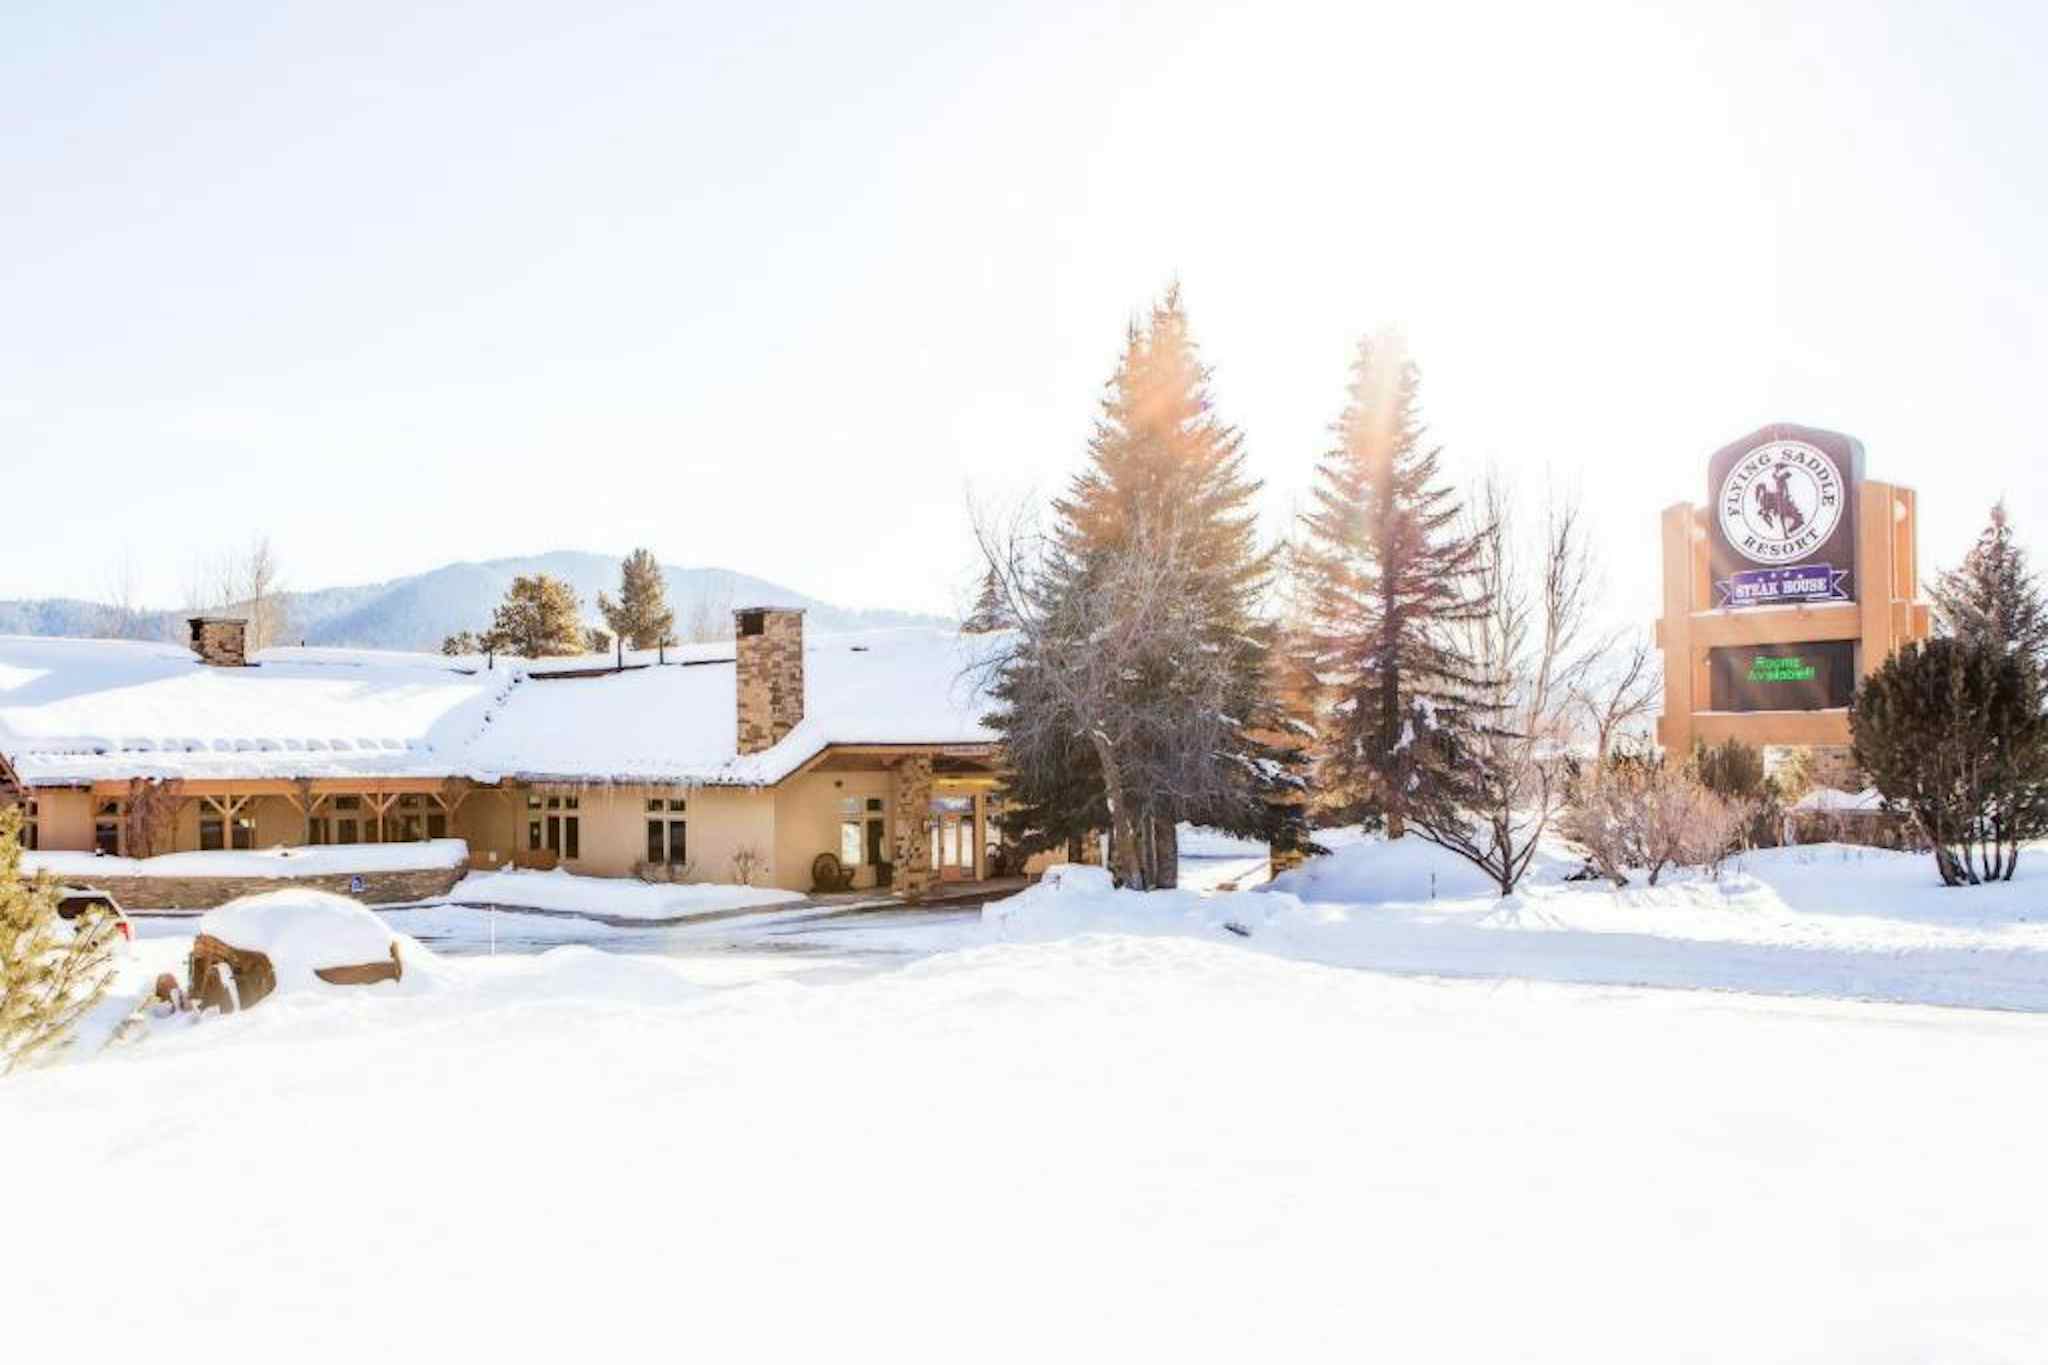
<point>773,286</point>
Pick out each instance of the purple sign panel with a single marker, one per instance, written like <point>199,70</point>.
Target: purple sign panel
<point>1781,517</point>
<point>1768,587</point>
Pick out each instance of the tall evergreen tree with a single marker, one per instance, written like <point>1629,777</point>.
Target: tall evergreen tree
<point>1164,471</point>
<point>991,612</point>
<point>538,618</point>
<point>1994,597</point>
<point>641,617</point>
<point>1389,566</point>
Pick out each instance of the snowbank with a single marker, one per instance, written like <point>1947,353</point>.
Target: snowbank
<point>1371,869</point>
<point>609,898</point>
<point>1820,920</point>
<point>316,861</point>
<point>304,931</point>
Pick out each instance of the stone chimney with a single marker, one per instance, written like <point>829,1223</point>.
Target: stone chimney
<point>770,681</point>
<point>222,641</point>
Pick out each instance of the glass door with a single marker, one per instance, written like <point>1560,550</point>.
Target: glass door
<point>953,838</point>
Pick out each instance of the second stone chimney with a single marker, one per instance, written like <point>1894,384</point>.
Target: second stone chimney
<point>222,641</point>
<point>770,659</point>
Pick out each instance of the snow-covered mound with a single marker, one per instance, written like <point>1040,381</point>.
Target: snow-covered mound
<point>303,931</point>
<point>1072,899</point>
<point>609,898</point>
<point>1371,869</point>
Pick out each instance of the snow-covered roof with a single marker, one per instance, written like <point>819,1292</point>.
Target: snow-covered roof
<point>679,723</point>
<point>1829,801</point>
<point>82,710</point>
<point>77,711</point>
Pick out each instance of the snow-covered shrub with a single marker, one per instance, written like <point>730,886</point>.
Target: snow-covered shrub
<point>1634,812</point>
<point>50,973</point>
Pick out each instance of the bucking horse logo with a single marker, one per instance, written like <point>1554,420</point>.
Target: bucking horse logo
<point>1776,505</point>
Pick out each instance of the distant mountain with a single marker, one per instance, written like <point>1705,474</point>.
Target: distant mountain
<point>418,612</point>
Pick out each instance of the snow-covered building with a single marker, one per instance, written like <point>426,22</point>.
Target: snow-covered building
<point>741,760</point>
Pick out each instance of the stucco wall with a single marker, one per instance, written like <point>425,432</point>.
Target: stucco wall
<point>808,810</point>
<point>64,820</point>
<point>612,829</point>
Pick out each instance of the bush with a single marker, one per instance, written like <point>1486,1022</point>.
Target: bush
<point>1640,811</point>
<point>1735,771</point>
<point>47,981</point>
<point>1951,733</point>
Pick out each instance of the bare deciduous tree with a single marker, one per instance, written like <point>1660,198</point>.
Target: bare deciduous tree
<point>1621,690</point>
<point>122,616</point>
<point>709,617</point>
<point>248,584</point>
<point>1532,648</point>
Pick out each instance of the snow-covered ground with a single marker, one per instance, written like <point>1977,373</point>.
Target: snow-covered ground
<point>1089,1123</point>
<point>609,898</point>
<point>1109,1145</point>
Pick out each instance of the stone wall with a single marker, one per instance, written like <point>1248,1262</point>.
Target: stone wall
<point>769,644</point>
<point>1827,765</point>
<point>910,794</point>
<point>204,893</point>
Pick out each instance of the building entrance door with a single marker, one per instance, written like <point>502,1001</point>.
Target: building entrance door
<point>953,838</point>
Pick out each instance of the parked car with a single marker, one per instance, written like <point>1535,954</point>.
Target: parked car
<point>76,901</point>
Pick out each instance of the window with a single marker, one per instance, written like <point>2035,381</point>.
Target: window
<point>437,825</point>
<point>106,828</point>
<point>753,622</point>
<point>30,836</point>
<point>214,830</point>
<point>668,842</point>
<point>564,831</point>
<point>849,843</point>
<point>411,822</point>
<point>340,829</point>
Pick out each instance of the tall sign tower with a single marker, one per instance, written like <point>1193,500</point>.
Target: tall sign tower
<point>1795,579</point>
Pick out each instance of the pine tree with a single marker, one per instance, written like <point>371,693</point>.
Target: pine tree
<point>50,976</point>
<point>538,618</point>
<point>1388,570</point>
<point>990,612</point>
<point>1994,597</point>
<point>1164,471</point>
<point>641,617</point>
<point>1952,733</point>
<point>460,643</point>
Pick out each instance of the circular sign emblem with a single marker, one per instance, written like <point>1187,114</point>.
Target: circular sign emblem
<point>1781,501</point>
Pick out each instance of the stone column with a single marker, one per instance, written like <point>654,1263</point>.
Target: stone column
<point>910,792</point>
